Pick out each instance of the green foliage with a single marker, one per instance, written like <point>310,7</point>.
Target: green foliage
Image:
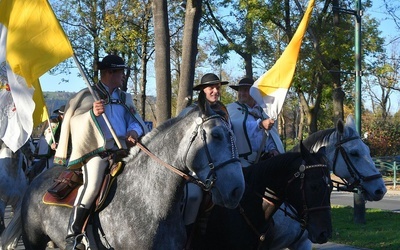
<point>382,136</point>
<point>381,230</point>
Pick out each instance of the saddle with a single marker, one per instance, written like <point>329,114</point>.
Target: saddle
<point>65,188</point>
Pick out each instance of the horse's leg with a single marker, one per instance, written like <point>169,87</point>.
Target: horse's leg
<point>2,212</point>
<point>286,233</point>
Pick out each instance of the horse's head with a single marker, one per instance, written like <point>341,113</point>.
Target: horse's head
<point>351,161</point>
<point>307,193</point>
<point>302,181</point>
<point>314,208</point>
<point>212,155</point>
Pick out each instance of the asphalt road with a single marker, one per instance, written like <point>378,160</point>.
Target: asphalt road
<point>391,200</point>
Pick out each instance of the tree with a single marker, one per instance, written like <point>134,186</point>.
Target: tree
<point>189,53</point>
<point>162,60</point>
<point>383,80</point>
<point>393,10</point>
<point>381,135</point>
<point>239,30</point>
<point>128,32</point>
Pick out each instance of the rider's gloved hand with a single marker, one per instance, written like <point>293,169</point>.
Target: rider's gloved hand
<point>131,138</point>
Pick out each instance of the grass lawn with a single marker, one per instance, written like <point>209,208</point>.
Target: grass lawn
<point>381,230</point>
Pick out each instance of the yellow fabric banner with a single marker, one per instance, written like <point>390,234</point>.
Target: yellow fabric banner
<point>35,40</point>
<point>31,43</point>
<point>270,90</point>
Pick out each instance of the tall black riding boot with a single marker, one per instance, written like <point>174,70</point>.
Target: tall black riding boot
<point>76,221</point>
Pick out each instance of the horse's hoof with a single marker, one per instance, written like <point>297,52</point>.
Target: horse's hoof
<point>51,244</point>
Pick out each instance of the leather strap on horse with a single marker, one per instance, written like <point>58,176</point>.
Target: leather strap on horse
<point>261,236</point>
<point>262,146</point>
<point>170,167</point>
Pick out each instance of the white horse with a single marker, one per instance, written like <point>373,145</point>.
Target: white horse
<point>13,181</point>
<point>350,160</point>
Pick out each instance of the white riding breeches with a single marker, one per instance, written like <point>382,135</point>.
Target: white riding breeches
<point>93,173</point>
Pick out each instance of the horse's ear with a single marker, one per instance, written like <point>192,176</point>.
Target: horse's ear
<point>203,104</point>
<point>303,150</point>
<point>340,127</point>
<point>349,120</point>
<point>350,123</point>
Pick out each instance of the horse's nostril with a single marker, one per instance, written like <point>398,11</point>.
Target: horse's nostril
<point>323,238</point>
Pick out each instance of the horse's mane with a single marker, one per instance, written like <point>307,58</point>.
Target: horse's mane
<point>322,137</point>
<point>161,129</point>
<point>318,135</point>
<point>277,165</point>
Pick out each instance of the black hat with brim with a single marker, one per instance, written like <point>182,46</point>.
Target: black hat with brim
<point>60,110</point>
<point>207,80</point>
<point>112,62</point>
<point>242,83</point>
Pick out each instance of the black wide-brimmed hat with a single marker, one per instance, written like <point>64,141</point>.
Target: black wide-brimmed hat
<point>244,82</point>
<point>60,110</point>
<point>112,62</point>
<point>209,79</point>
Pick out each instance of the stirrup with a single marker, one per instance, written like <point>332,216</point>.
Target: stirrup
<point>79,245</point>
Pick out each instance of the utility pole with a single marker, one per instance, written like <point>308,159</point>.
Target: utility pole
<point>359,202</point>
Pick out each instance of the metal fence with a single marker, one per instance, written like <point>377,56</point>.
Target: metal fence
<point>389,168</point>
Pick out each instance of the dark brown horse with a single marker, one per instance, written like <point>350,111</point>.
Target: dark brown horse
<point>299,180</point>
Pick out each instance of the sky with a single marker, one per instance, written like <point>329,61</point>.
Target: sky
<point>54,82</point>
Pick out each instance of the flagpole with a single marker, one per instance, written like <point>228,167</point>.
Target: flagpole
<point>96,98</point>
<point>51,129</point>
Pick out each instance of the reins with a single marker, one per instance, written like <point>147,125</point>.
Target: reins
<point>261,236</point>
<point>212,177</point>
<point>185,176</point>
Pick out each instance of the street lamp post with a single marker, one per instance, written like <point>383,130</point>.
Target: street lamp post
<point>359,202</point>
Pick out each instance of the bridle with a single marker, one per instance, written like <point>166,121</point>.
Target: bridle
<point>271,198</point>
<point>199,129</point>
<point>306,208</point>
<point>355,174</point>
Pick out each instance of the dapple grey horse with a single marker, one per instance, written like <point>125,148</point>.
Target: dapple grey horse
<point>145,209</point>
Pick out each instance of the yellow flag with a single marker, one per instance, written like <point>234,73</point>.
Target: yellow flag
<point>31,43</point>
<point>40,114</point>
<point>270,90</point>
<point>35,41</point>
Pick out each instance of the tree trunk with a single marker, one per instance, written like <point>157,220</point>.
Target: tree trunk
<point>162,60</point>
<point>338,99</point>
<point>189,53</point>
<point>337,94</point>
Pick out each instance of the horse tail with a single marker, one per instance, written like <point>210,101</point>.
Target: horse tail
<point>10,236</point>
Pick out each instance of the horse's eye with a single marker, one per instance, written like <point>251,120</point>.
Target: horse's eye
<point>354,153</point>
<point>217,134</point>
